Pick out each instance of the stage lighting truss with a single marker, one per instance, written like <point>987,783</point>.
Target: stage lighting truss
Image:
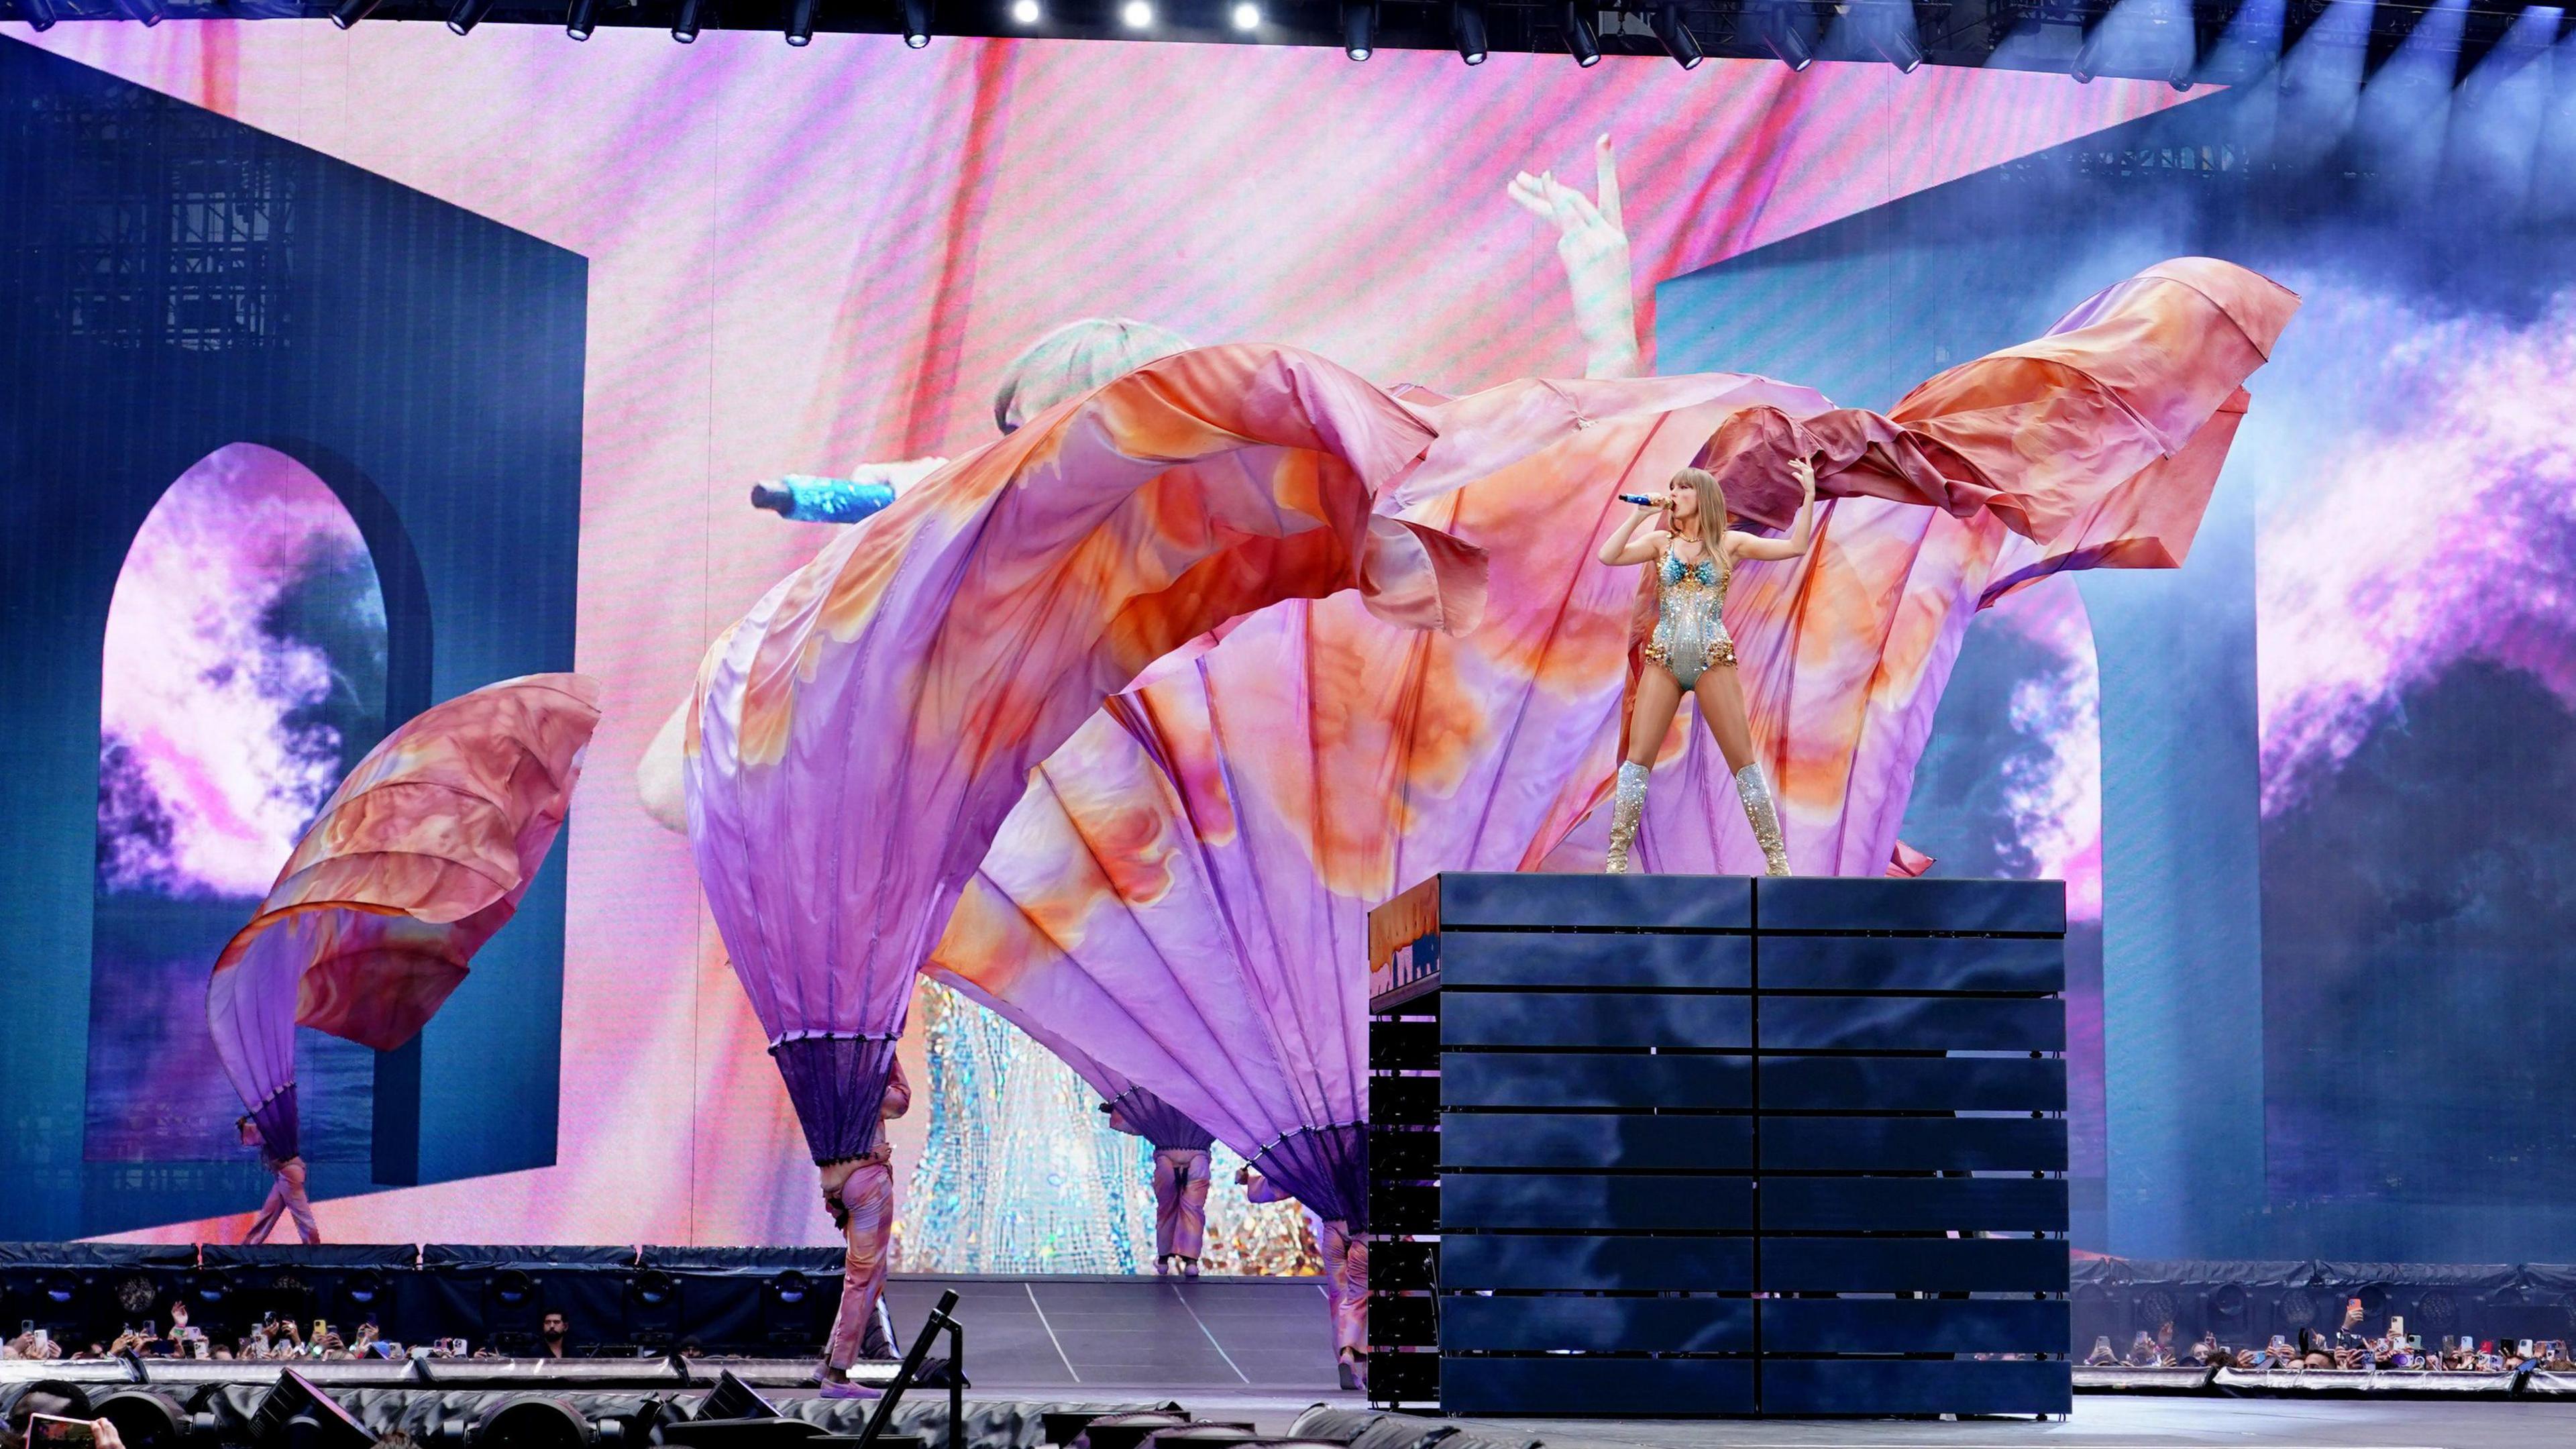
<point>1902,33</point>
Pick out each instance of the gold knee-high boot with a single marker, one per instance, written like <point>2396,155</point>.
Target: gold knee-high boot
<point>1755,792</point>
<point>1628,803</point>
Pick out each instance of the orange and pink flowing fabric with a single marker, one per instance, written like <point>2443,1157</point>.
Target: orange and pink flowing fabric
<point>1183,889</point>
<point>420,856</point>
<point>860,734</point>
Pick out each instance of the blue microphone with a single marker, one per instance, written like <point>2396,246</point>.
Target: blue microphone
<point>1641,502</point>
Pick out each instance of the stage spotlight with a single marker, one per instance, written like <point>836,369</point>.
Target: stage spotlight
<point>1247,16</point>
<point>800,22</point>
<point>39,13</point>
<point>1678,41</point>
<point>529,1422</point>
<point>916,23</point>
<point>2088,59</point>
<point>145,1419</point>
<point>684,21</point>
<point>464,15</point>
<point>1467,26</point>
<point>1359,28</point>
<point>146,11</point>
<point>1891,34</point>
<point>348,13</point>
<point>581,17</point>
<point>1135,14</point>
<point>1778,26</point>
<point>1024,12</point>
<point>1580,41</point>
<point>298,1415</point>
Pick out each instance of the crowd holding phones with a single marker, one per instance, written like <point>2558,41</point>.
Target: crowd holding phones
<point>273,1337</point>
<point>2350,1349</point>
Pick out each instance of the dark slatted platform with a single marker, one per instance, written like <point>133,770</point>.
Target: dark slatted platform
<point>1661,1146</point>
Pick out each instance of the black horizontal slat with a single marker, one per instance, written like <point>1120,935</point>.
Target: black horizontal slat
<point>1397,1266</point>
<point>1864,903</point>
<point>1936,1084</point>
<point>1907,1023</point>
<point>1403,1207</point>
<point>1470,1322</point>
<point>1412,1101</point>
<point>1917,1265</point>
<point>1596,902</point>
<point>1404,1153</point>
<point>1913,963</point>
<point>1916,1386</point>
<point>1404,1046</point>
<point>1403,1320</point>
<point>1907,1204</point>
<point>1913,1325</point>
<point>1594,1079</point>
<point>1912,1144</point>
<point>1572,1201</point>
<point>1588,1140</point>
<point>1571,1019</point>
<point>1410,1377</point>
<point>1572,1263</point>
<point>1559,958</point>
<point>1635,1387</point>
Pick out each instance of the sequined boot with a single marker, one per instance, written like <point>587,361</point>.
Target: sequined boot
<point>1756,794</point>
<point>1626,804</point>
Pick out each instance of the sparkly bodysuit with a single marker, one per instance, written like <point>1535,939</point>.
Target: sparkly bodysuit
<point>1690,629</point>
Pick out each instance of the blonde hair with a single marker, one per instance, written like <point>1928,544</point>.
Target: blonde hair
<point>1074,359</point>
<point>1712,509</point>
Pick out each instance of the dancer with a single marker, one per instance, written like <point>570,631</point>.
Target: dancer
<point>286,1195</point>
<point>859,1194</point>
<point>1345,1257</point>
<point>1180,1175</point>
<point>1694,555</point>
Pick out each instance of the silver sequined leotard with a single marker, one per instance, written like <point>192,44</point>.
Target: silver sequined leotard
<point>1690,630</point>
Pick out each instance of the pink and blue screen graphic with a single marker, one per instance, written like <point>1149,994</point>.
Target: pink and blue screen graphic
<point>2305,791</point>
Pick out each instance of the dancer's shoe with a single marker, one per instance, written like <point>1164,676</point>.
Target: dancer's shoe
<point>1627,806</point>
<point>1759,811</point>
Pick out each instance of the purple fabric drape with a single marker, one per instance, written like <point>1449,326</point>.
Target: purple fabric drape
<point>1326,1168</point>
<point>838,1084</point>
<point>1161,1123</point>
<point>859,736</point>
<point>280,1127</point>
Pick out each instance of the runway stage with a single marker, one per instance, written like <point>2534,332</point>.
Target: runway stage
<point>2099,1422</point>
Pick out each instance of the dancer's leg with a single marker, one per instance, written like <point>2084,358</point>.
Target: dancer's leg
<point>867,1202</point>
<point>1658,695</point>
<point>1721,703</point>
<point>269,1212</point>
<point>298,1205</point>
<point>1188,1232</point>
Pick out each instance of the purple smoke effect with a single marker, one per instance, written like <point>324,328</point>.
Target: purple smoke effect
<point>2054,799</point>
<point>206,777</point>
<point>2434,527</point>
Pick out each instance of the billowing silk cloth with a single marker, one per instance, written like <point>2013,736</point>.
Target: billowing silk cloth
<point>415,861</point>
<point>1183,888</point>
<point>861,733</point>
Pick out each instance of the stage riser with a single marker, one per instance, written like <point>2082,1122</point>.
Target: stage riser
<point>1614,1119</point>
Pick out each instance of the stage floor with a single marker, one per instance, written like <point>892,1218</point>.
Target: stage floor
<point>1046,1335</point>
<point>2099,1422</point>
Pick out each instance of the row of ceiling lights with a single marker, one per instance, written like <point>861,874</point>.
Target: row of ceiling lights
<point>1359,25</point>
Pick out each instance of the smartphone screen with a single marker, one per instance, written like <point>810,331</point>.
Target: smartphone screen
<point>60,1433</point>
